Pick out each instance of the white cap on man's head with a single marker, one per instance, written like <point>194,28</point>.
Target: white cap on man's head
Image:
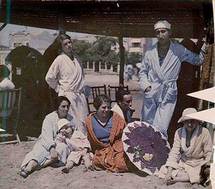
<point>162,24</point>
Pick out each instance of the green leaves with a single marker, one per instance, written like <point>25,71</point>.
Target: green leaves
<point>104,49</point>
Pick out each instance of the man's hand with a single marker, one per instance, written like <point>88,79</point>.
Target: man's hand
<point>53,154</point>
<point>148,89</point>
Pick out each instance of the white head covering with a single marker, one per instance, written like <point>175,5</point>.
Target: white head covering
<point>162,24</point>
<point>62,122</point>
<point>186,112</point>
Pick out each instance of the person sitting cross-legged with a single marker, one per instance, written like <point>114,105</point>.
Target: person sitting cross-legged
<point>191,151</point>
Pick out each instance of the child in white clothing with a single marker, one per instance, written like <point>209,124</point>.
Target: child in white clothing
<point>72,146</point>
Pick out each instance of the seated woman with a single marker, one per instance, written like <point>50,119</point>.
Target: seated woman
<point>192,149</point>
<point>5,82</point>
<point>104,130</point>
<point>44,152</point>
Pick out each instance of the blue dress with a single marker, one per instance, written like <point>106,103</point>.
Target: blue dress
<point>102,132</point>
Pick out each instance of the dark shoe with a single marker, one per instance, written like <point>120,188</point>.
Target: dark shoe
<point>24,173</point>
<point>170,182</point>
<point>88,168</point>
<point>65,170</point>
<point>57,164</point>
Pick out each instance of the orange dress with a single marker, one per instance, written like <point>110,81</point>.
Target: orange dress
<point>108,156</point>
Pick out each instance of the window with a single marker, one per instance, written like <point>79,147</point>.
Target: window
<point>136,44</point>
<point>17,45</point>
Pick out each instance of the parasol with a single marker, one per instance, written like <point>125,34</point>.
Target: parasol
<point>146,148</point>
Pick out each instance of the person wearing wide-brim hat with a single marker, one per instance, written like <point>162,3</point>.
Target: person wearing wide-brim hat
<point>159,72</point>
<point>192,149</point>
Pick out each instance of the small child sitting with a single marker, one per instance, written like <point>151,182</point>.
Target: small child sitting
<point>72,146</point>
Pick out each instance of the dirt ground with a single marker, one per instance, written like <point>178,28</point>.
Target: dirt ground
<point>12,155</point>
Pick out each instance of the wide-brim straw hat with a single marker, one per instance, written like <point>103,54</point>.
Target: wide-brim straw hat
<point>186,112</point>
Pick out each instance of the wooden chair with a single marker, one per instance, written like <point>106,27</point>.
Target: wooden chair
<point>111,91</point>
<point>95,91</point>
<point>10,101</point>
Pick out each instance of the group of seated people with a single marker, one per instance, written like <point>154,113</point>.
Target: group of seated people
<point>61,142</point>
<point>101,148</point>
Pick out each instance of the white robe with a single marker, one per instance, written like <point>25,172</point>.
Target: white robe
<point>189,160</point>
<point>46,140</point>
<point>159,103</point>
<point>66,77</point>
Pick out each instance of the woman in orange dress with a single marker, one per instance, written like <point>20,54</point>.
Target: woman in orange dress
<point>104,131</point>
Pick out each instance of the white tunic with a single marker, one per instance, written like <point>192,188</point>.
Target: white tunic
<point>189,159</point>
<point>46,140</point>
<point>66,77</point>
<point>159,103</point>
<point>71,149</point>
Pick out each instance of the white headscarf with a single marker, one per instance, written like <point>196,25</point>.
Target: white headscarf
<point>162,24</point>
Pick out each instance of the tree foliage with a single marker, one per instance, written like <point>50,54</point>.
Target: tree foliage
<point>82,49</point>
<point>133,58</point>
<point>101,50</point>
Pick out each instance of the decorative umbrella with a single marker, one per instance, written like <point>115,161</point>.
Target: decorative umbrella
<point>146,148</point>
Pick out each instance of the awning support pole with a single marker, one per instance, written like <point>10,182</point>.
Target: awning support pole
<point>122,61</point>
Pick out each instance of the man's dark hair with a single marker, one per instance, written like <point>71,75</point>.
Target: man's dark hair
<point>120,93</point>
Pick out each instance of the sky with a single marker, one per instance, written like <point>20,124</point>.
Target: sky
<point>11,28</point>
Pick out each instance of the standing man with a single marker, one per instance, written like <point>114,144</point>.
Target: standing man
<point>124,105</point>
<point>158,75</point>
